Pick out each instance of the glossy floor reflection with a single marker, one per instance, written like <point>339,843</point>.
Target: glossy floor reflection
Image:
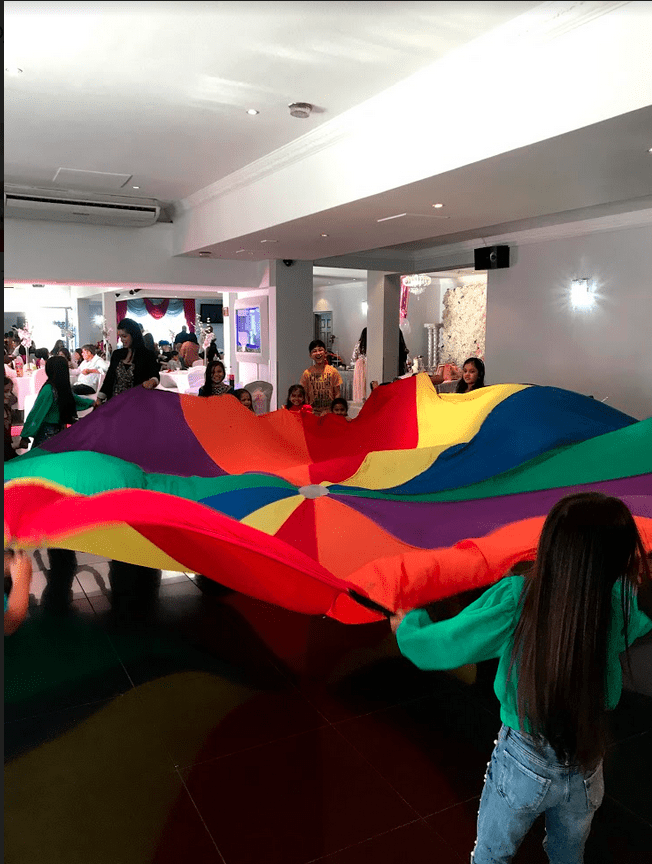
<point>156,717</point>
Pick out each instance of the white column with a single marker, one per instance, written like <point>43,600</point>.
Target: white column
<point>291,324</point>
<point>108,310</point>
<point>383,298</point>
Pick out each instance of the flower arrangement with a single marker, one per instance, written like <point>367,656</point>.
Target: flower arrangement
<point>104,345</point>
<point>203,334</point>
<point>464,319</point>
<point>24,333</point>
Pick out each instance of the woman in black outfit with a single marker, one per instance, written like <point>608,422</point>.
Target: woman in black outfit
<point>131,365</point>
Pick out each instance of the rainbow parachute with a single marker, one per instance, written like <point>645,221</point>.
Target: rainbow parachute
<point>420,497</point>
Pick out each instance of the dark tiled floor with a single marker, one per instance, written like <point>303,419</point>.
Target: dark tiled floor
<point>159,718</point>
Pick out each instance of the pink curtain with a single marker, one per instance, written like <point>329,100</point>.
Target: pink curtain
<point>120,310</point>
<point>189,312</point>
<point>405,296</point>
<point>157,311</point>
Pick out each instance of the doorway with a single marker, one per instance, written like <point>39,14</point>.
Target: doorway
<point>324,327</point>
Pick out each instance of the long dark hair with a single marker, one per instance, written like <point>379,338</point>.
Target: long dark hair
<point>363,342</point>
<point>479,381</point>
<point>587,543</point>
<point>208,380</point>
<point>130,327</point>
<point>56,368</point>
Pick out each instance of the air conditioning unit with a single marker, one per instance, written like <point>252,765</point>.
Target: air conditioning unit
<point>126,213</point>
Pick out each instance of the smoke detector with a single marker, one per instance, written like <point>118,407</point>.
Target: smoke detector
<point>300,109</point>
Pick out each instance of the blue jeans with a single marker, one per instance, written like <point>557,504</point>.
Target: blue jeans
<point>525,778</point>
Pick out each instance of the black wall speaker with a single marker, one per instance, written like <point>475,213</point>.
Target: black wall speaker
<point>491,257</point>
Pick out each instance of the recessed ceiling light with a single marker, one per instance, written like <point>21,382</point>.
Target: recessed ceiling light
<point>13,70</point>
<point>269,241</point>
<point>323,235</point>
<point>237,251</point>
<point>252,112</point>
<point>387,218</point>
<point>650,150</point>
<point>437,206</point>
<point>205,253</point>
<point>135,187</point>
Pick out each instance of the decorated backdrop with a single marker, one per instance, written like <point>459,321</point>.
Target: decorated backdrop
<point>464,321</point>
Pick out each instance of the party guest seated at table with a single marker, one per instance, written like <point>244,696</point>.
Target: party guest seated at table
<point>131,366</point>
<point>89,370</point>
<point>41,355</point>
<point>164,351</point>
<point>189,351</point>
<point>245,397</point>
<point>296,401</point>
<point>63,352</point>
<point>55,407</point>
<point>214,384</point>
<point>12,346</point>
<point>174,363</point>
<point>321,382</point>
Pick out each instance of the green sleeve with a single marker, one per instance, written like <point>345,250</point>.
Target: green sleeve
<point>83,402</point>
<point>42,407</point>
<point>478,633</point>
<point>638,623</point>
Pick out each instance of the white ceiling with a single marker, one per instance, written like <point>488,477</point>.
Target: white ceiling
<point>158,91</point>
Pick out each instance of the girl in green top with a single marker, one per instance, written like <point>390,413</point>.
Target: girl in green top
<point>56,405</point>
<point>558,635</point>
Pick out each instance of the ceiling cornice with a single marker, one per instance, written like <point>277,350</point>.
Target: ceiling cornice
<point>542,234</point>
<point>544,23</point>
<point>459,253</point>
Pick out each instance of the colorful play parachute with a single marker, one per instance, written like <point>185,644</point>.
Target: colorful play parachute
<point>420,497</point>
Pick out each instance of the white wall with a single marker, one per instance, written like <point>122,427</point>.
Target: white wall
<point>40,251</point>
<point>534,336</point>
<point>345,302</point>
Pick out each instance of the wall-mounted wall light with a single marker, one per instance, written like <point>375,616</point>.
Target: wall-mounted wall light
<point>365,306</point>
<point>582,296</point>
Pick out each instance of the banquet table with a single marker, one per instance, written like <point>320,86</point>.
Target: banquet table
<point>25,387</point>
<point>176,381</point>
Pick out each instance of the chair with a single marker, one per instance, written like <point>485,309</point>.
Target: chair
<point>198,363</point>
<point>40,377</point>
<point>261,395</point>
<point>196,377</point>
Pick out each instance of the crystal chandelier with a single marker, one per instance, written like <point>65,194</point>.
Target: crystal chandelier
<point>417,283</point>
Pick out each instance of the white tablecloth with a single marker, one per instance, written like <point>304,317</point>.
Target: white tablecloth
<point>25,387</point>
<point>179,381</point>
